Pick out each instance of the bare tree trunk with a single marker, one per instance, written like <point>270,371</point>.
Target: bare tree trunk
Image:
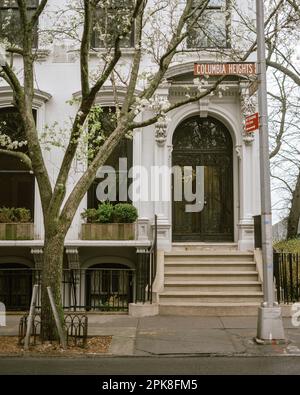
<point>52,273</point>
<point>294,215</point>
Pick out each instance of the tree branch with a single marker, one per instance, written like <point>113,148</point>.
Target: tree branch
<point>138,15</point>
<point>20,155</point>
<point>284,70</point>
<point>284,182</point>
<point>170,51</point>
<point>150,121</point>
<point>281,131</point>
<point>82,114</point>
<point>38,12</point>
<point>23,13</point>
<point>85,49</point>
<point>16,50</point>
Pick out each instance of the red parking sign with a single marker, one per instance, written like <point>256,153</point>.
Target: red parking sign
<point>252,122</point>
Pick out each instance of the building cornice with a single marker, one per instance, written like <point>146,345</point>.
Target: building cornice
<point>179,69</point>
<point>6,97</point>
<point>106,96</point>
<point>79,243</point>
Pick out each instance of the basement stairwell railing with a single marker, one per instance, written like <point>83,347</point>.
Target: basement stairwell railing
<point>146,271</point>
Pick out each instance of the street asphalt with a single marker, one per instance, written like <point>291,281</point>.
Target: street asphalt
<point>152,366</point>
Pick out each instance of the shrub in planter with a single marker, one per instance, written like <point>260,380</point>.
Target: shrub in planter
<point>103,214</point>
<point>90,215</point>
<point>22,215</point>
<point>14,215</point>
<point>110,222</point>
<point>15,224</point>
<point>125,213</point>
<point>5,215</point>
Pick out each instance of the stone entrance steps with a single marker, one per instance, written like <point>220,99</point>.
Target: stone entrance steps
<point>213,280</point>
<point>212,286</point>
<point>214,275</point>
<point>176,247</point>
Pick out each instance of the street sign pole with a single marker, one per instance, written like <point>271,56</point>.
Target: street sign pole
<point>269,326</point>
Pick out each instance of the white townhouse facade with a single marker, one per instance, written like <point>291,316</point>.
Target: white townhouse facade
<point>205,259</point>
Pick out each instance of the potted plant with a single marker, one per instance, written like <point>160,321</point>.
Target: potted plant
<point>16,224</point>
<point>109,222</point>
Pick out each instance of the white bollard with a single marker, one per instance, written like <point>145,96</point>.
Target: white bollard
<point>2,55</point>
<point>31,316</point>
<point>2,314</point>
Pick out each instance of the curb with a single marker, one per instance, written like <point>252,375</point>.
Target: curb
<point>107,355</point>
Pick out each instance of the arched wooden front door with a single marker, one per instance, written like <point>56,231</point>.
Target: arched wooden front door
<point>206,144</point>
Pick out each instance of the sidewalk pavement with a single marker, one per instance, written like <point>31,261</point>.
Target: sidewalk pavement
<point>178,335</point>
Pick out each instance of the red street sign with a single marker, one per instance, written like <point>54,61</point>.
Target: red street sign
<point>252,122</point>
<point>246,68</point>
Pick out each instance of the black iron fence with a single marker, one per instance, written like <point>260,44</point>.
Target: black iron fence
<point>106,289</point>
<point>287,277</point>
<point>75,325</point>
<point>153,262</point>
<point>83,289</point>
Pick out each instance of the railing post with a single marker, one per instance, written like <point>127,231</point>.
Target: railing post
<point>31,316</point>
<point>141,275</point>
<point>74,288</point>
<point>297,276</point>
<point>291,258</point>
<point>277,274</point>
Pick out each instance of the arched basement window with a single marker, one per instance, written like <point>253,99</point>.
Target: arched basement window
<point>17,182</point>
<point>109,287</point>
<point>15,286</point>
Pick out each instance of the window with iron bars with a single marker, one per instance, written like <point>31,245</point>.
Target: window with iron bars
<point>18,180</point>
<point>212,29</point>
<point>124,149</point>
<point>10,24</point>
<point>113,20</point>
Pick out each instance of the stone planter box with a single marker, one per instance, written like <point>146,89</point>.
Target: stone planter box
<point>108,231</point>
<point>17,231</point>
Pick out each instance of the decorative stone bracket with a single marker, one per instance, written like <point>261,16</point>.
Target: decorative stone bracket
<point>72,255</point>
<point>162,95</point>
<point>73,258</point>
<point>38,256</point>
<point>161,132</point>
